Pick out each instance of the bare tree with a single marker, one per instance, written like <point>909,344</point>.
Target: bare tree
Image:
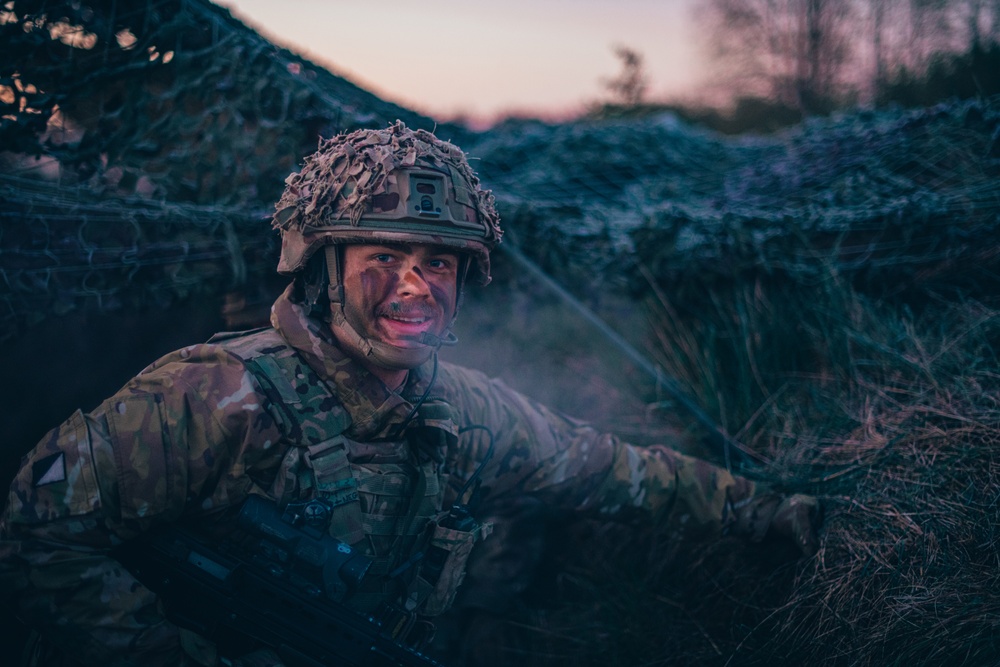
<point>811,54</point>
<point>629,87</point>
<point>745,41</point>
<point>878,23</point>
<point>822,51</point>
<point>796,51</point>
<point>982,18</point>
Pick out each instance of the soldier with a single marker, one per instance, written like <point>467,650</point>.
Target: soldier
<point>341,398</point>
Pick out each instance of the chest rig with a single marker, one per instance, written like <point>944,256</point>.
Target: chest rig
<point>386,494</point>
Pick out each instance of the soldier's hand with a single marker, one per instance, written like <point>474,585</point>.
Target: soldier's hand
<point>794,518</point>
<point>798,518</point>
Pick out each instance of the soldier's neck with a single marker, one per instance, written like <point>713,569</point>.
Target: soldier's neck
<point>392,379</point>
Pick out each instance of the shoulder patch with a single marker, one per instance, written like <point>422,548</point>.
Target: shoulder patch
<point>57,478</point>
<point>49,470</point>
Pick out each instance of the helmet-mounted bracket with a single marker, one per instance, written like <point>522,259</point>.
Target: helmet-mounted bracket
<point>427,195</point>
<point>314,284</point>
<point>335,278</point>
<point>322,284</point>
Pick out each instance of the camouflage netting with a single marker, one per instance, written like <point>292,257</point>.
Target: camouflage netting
<point>64,245</point>
<point>886,198</point>
<point>142,146</point>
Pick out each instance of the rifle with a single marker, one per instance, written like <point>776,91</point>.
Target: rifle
<point>282,586</point>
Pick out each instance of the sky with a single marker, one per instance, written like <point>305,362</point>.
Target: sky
<point>486,59</point>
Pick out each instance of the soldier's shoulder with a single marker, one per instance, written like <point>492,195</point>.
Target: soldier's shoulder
<point>454,376</point>
<point>250,344</point>
<point>222,356</point>
<point>223,347</point>
<point>461,384</point>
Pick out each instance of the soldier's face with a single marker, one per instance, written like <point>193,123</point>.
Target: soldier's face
<point>396,292</point>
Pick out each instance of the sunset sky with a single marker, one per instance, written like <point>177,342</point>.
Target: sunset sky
<point>484,59</point>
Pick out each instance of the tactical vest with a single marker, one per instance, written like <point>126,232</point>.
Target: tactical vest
<point>386,495</point>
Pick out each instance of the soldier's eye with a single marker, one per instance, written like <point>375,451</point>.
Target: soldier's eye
<point>440,263</point>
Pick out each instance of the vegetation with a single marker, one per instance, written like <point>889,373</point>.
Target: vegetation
<point>780,62</point>
<point>628,89</point>
<point>817,55</point>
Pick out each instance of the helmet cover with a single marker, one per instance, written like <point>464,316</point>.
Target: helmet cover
<point>393,185</point>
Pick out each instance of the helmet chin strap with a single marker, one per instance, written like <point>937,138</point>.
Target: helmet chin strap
<point>385,355</point>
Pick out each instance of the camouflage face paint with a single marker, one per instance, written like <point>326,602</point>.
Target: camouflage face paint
<point>396,295</point>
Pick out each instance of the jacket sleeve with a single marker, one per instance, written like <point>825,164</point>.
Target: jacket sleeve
<point>179,439</point>
<point>566,463</point>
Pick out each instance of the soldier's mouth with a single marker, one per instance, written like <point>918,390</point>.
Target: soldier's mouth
<point>407,320</point>
<point>399,327</point>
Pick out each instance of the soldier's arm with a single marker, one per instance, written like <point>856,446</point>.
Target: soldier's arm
<point>177,440</point>
<point>569,464</point>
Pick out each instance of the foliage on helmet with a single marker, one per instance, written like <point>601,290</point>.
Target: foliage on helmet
<point>342,180</point>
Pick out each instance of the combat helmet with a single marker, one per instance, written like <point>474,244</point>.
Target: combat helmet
<point>393,185</point>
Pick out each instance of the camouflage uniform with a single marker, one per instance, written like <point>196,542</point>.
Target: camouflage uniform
<point>195,432</point>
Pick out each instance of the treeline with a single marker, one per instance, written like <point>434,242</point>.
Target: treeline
<point>779,61</point>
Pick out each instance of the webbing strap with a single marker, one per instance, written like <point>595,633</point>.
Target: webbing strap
<point>335,290</point>
<point>300,397</point>
<point>390,480</point>
<point>312,421</point>
<point>335,481</point>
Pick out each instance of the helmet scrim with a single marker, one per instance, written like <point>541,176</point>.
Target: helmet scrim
<point>393,185</point>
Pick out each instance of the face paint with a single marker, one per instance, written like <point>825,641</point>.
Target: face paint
<point>384,302</point>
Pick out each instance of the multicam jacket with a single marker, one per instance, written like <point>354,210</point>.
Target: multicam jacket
<point>198,430</point>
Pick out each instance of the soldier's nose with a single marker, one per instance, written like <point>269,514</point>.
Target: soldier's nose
<point>412,283</point>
